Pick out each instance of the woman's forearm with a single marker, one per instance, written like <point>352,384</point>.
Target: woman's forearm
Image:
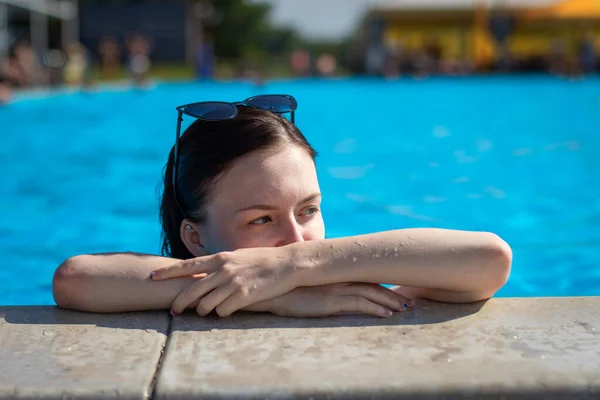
<point>432,259</point>
<point>119,282</point>
<point>114,282</point>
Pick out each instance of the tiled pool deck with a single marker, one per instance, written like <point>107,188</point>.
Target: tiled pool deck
<point>546,348</point>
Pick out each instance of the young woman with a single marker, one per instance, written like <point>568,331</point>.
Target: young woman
<point>243,230</point>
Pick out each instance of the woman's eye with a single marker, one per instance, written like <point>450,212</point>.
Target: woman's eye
<point>311,210</point>
<point>260,221</point>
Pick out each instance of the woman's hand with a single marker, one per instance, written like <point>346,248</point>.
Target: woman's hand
<point>335,299</point>
<point>234,280</point>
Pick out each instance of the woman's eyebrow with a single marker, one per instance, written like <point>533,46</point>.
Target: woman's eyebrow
<point>258,207</point>
<point>266,207</point>
<point>313,196</point>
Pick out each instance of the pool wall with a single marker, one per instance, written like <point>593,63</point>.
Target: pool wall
<point>506,348</point>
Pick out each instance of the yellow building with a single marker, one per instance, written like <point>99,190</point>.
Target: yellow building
<point>462,27</point>
<point>568,21</point>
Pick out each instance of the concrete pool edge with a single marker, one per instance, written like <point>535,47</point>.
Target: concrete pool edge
<point>506,347</point>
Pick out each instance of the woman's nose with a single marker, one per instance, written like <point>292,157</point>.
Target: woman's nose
<point>291,232</point>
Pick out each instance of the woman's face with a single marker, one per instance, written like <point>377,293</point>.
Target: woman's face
<point>263,200</point>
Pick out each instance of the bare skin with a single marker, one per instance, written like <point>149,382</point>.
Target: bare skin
<point>263,248</point>
<point>119,282</point>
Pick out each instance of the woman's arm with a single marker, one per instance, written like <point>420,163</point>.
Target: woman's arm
<point>115,282</point>
<point>437,264</point>
<point>120,282</point>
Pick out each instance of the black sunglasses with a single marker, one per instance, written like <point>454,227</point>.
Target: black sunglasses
<point>220,111</point>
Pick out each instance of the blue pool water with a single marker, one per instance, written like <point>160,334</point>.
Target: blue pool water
<point>515,156</point>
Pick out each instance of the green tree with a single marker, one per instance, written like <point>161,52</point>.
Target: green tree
<point>243,30</point>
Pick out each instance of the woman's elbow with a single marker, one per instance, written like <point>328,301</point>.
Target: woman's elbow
<point>499,263</point>
<point>67,285</point>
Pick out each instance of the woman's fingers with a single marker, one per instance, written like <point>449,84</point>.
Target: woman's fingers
<point>230,305</point>
<point>193,292</point>
<point>358,305</point>
<point>212,300</point>
<point>405,302</point>
<point>192,266</point>
<point>378,294</point>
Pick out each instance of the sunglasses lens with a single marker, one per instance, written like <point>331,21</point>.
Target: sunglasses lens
<point>211,111</point>
<point>274,103</point>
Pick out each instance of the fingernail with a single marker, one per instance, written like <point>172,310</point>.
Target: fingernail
<point>388,313</point>
<point>152,274</point>
<point>173,313</point>
<point>405,305</point>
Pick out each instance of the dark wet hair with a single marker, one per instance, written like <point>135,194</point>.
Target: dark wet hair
<point>206,150</point>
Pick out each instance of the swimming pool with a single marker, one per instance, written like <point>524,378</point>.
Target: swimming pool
<point>516,156</point>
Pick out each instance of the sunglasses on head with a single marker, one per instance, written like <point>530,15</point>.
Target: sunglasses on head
<point>221,111</point>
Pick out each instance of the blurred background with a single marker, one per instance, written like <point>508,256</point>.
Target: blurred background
<point>56,42</point>
<point>460,114</point>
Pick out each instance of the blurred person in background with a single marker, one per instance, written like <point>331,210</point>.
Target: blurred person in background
<point>205,59</point>
<point>501,26</point>
<point>9,75</point>
<point>5,91</point>
<point>25,66</point>
<point>434,52</point>
<point>54,62</point>
<point>138,60</point>
<point>376,59</point>
<point>587,53</point>
<point>300,63</point>
<point>77,65</point>
<point>109,52</point>
<point>391,66</point>
<point>326,65</point>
